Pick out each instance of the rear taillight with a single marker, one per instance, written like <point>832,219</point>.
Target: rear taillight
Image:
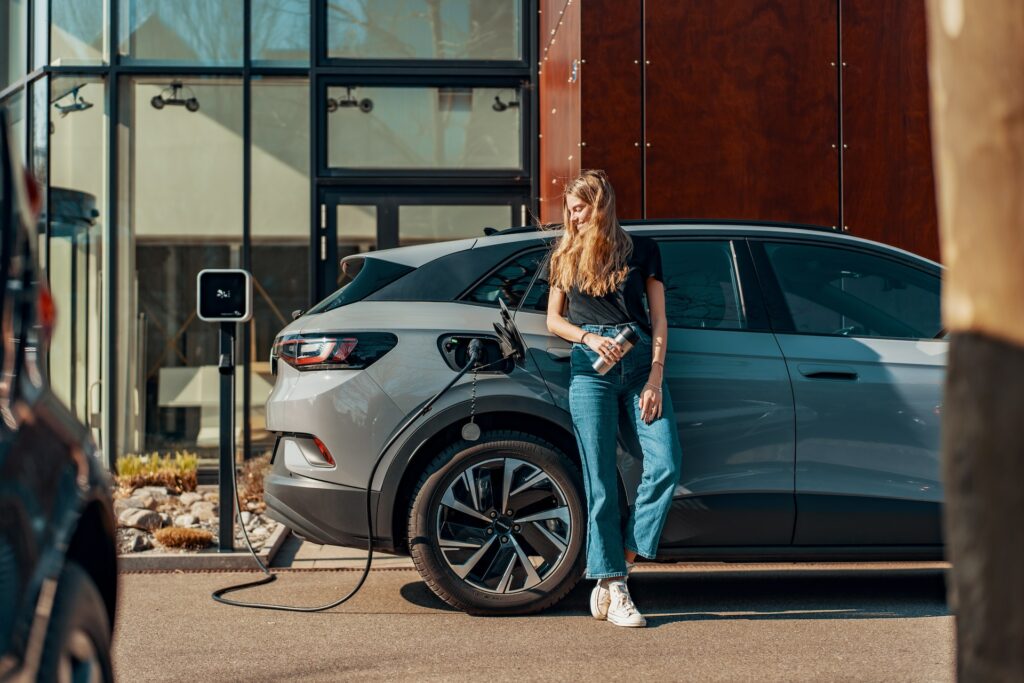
<point>332,351</point>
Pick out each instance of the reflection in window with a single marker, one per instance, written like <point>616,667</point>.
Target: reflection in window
<point>407,128</point>
<point>77,198</point>
<point>419,224</point>
<point>844,292</point>
<point>509,283</point>
<point>280,32</point>
<point>180,210</point>
<point>701,287</point>
<point>424,29</point>
<point>13,43</point>
<point>76,32</point>
<point>280,226</point>
<point>194,32</point>
<point>357,232</point>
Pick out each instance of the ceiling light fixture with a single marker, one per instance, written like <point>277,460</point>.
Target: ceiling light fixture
<point>174,98</point>
<point>77,103</point>
<point>365,105</point>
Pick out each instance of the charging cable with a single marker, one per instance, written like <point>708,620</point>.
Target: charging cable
<point>474,351</point>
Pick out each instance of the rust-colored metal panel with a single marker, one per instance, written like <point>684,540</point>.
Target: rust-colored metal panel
<point>559,104</point>
<point>888,186</point>
<point>742,109</point>
<point>612,97</point>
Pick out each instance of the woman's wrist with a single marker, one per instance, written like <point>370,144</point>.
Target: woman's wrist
<point>583,336</point>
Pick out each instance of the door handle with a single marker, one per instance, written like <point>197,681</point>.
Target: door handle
<point>814,371</point>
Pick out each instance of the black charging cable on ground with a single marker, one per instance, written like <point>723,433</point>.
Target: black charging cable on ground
<point>474,351</point>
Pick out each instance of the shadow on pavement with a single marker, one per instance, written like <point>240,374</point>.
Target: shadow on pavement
<point>667,597</point>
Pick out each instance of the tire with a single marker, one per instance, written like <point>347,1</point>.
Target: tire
<point>77,645</point>
<point>474,557</point>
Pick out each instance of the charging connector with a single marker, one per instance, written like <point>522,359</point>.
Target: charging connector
<point>475,353</point>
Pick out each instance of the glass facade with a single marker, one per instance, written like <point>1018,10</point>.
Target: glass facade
<point>425,29</point>
<point>423,128</point>
<point>166,144</point>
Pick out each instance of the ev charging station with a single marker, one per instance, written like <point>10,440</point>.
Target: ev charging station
<point>225,296</point>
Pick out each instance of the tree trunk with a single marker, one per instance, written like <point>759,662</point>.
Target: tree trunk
<point>977,86</point>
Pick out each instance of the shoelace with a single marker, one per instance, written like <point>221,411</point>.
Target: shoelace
<point>624,599</point>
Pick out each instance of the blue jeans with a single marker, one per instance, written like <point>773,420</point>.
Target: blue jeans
<point>595,402</point>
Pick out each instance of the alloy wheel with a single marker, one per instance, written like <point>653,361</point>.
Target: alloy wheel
<point>503,525</point>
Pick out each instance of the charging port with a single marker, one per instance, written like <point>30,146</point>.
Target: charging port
<point>455,350</point>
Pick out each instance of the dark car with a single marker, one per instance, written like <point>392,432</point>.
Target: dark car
<point>58,558</point>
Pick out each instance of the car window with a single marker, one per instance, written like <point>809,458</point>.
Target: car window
<point>360,277</point>
<point>837,291</point>
<point>701,286</point>
<point>510,280</point>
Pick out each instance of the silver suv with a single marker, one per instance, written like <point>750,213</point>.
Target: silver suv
<point>805,368</point>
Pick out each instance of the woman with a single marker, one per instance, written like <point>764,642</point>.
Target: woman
<point>598,275</point>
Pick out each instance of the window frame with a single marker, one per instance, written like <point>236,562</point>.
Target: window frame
<point>520,84</point>
<point>528,247</point>
<point>432,66</point>
<point>757,318</point>
<point>775,299</point>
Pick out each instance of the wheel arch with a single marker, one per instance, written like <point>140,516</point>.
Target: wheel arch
<point>93,548</point>
<point>539,418</point>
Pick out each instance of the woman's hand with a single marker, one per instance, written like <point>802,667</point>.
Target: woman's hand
<point>606,347</point>
<point>650,403</point>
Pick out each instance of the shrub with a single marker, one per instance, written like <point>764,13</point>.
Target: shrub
<point>179,537</point>
<point>253,472</point>
<point>177,473</point>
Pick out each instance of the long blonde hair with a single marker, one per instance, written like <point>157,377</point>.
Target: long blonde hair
<point>595,259</point>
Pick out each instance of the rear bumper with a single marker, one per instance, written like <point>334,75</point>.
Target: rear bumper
<point>329,514</point>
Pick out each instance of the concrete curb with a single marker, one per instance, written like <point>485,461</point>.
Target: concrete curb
<point>204,560</point>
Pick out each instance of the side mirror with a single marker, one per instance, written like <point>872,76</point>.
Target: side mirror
<point>297,313</point>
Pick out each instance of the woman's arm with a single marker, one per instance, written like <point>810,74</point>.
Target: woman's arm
<point>650,397</point>
<point>557,324</point>
<point>659,329</point>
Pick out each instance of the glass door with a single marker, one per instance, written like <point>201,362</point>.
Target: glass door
<point>353,222</point>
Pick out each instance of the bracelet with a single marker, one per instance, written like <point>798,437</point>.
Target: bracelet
<point>662,364</point>
<point>584,337</point>
<point>656,389</point>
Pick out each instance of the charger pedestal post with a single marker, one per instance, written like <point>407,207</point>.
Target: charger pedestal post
<point>225,296</point>
<point>226,365</point>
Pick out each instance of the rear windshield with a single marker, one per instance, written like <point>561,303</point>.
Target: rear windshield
<point>361,277</point>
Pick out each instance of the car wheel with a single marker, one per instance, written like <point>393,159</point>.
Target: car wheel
<point>496,526</point>
<point>77,645</point>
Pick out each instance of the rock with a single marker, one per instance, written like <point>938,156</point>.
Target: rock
<point>157,492</point>
<point>165,519</point>
<point>140,519</point>
<point>246,517</point>
<point>251,506</point>
<point>211,495</point>
<point>259,533</point>
<point>132,541</point>
<point>189,497</point>
<point>204,510</point>
<point>185,520</point>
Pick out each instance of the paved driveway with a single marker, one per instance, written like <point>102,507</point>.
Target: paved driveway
<point>707,623</point>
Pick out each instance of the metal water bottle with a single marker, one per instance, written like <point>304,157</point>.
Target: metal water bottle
<point>626,338</point>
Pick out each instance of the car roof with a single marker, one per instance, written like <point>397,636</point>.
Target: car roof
<point>417,255</point>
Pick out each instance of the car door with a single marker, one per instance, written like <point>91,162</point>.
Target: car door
<point>731,394</point>
<point>861,332</point>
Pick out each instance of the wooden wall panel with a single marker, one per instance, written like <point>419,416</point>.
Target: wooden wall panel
<point>742,110</point>
<point>559,103</point>
<point>888,187</point>
<point>612,97</point>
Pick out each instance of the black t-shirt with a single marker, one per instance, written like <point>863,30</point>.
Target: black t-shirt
<point>626,304</point>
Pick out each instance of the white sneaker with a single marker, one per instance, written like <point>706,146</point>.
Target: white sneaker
<point>600,598</point>
<point>621,610</point>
